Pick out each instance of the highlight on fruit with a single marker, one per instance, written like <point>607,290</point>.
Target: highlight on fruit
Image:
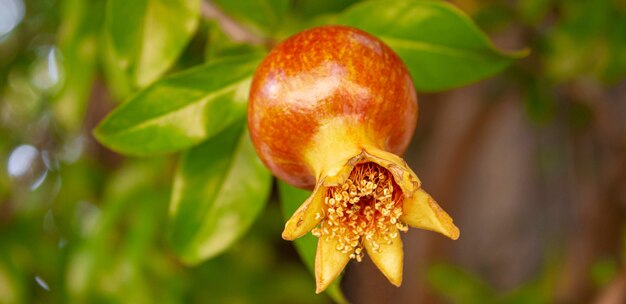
<point>332,109</point>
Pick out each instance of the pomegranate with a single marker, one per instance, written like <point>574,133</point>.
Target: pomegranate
<point>330,109</point>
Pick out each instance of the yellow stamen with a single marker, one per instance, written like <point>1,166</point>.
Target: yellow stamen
<point>368,204</point>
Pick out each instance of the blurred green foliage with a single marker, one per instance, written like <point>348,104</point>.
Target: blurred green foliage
<point>81,224</point>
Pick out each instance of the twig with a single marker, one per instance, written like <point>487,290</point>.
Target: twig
<point>236,31</point>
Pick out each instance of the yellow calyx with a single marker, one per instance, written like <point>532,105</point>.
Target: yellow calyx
<point>363,197</point>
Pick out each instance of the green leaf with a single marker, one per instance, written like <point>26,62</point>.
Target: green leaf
<point>290,199</point>
<point>78,42</point>
<point>220,188</point>
<point>440,45</point>
<point>262,15</point>
<point>312,8</point>
<point>148,35</point>
<point>181,110</point>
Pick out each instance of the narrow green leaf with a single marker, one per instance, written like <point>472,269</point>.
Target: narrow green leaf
<point>181,110</point>
<point>440,45</point>
<point>220,188</point>
<point>148,35</point>
<point>262,15</point>
<point>78,38</point>
<point>290,199</point>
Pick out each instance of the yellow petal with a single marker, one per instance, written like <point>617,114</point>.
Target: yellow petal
<point>421,211</point>
<point>329,262</point>
<point>388,257</point>
<point>307,216</point>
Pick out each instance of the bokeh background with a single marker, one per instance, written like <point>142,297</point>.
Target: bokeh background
<point>531,164</point>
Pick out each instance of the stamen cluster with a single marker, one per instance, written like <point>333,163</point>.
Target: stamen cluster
<point>367,205</point>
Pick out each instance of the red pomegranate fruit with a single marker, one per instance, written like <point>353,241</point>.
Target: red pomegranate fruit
<point>331,109</point>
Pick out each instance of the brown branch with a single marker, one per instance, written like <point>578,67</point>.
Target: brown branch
<point>236,31</point>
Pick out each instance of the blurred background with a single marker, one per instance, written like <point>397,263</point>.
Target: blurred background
<point>531,164</point>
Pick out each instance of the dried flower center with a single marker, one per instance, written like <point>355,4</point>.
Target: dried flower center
<point>368,205</point>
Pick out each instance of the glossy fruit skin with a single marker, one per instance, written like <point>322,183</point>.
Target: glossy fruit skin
<point>330,72</point>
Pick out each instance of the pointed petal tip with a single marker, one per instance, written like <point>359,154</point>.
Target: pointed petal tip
<point>322,283</point>
<point>306,217</point>
<point>454,233</point>
<point>293,227</point>
<point>422,211</point>
<point>447,226</point>
<point>320,288</point>
<point>389,259</point>
<point>298,225</point>
<point>329,263</point>
<point>395,278</point>
<point>287,235</point>
<point>396,282</point>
